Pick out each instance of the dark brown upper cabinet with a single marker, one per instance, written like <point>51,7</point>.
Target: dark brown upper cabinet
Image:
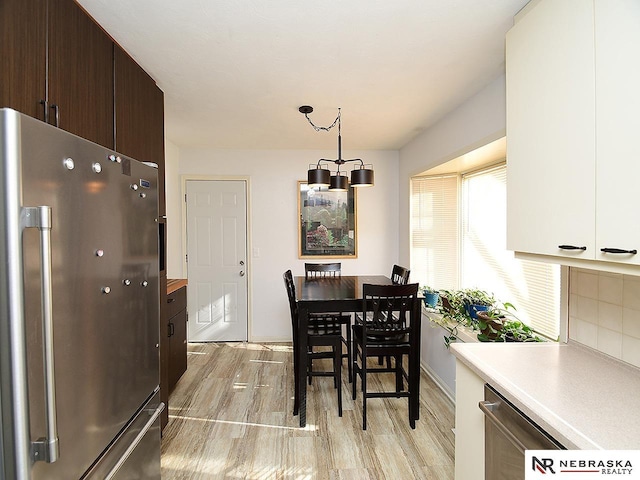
<point>60,67</point>
<point>139,116</point>
<point>23,49</point>
<point>80,74</point>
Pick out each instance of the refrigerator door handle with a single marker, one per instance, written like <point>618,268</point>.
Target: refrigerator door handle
<point>154,416</point>
<point>45,449</point>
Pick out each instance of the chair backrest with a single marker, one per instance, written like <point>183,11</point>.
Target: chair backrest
<point>317,270</point>
<point>390,309</point>
<point>400,275</point>
<point>291,294</point>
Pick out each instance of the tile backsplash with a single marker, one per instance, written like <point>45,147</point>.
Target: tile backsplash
<point>604,313</point>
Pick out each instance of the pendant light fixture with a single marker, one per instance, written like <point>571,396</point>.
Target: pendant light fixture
<point>320,175</point>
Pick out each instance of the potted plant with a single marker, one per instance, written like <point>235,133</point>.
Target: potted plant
<point>501,325</point>
<point>462,305</point>
<point>431,296</point>
<point>475,301</point>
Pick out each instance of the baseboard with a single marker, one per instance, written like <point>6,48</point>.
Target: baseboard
<point>270,340</point>
<point>438,381</point>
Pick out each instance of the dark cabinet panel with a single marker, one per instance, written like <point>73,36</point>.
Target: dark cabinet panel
<point>23,30</point>
<point>139,116</point>
<point>177,334</point>
<point>57,66</point>
<point>80,74</point>
<point>177,348</point>
<point>164,353</point>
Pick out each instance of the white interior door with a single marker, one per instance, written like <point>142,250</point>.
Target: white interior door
<point>216,260</point>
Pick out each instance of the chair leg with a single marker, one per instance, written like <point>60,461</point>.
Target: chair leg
<point>356,370</point>
<point>296,380</point>
<point>399,378</point>
<point>380,360</point>
<point>337,367</point>
<point>349,357</point>
<point>337,353</point>
<point>414,385</point>
<point>296,400</point>
<point>354,367</point>
<point>363,374</point>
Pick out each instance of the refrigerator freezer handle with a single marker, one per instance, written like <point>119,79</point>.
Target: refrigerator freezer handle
<point>154,416</point>
<point>45,449</point>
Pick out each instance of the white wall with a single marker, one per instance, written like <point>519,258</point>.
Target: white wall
<point>273,221</point>
<point>478,121</point>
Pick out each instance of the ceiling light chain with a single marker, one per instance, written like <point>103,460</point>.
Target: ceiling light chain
<point>316,127</point>
<point>361,176</point>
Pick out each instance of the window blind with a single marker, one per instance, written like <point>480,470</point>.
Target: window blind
<point>434,231</point>
<point>533,287</point>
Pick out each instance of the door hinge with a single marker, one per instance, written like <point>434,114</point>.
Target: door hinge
<point>186,258</point>
<point>185,198</point>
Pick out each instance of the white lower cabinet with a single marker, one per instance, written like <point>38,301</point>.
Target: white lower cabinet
<point>469,433</point>
<point>573,153</point>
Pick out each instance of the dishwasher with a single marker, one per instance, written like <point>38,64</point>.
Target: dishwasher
<point>508,433</point>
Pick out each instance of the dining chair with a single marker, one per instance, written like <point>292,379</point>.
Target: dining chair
<point>321,332</point>
<point>400,275</point>
<point>321,270</point>
<point>324,270</point>
<point>389,326</point>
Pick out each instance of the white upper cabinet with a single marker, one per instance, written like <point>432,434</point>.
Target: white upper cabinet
<point>617,30</point>
<point>573,126</point>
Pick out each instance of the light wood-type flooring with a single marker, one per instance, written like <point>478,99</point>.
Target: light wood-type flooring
<point>230,417</point>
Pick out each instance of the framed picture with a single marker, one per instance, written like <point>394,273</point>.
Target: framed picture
<point>327,222</point>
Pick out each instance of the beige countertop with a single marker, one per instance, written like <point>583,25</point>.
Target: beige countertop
<point>174,284</point>
<point>584,399</point>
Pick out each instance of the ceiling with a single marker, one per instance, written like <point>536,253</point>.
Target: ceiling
<point>234,72</point>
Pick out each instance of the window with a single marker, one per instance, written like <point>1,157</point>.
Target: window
<point>434,231</point>
<point>458,240</point>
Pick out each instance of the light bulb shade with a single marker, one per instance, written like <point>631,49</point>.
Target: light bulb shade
<point>362,177</point>
<point>339,183</point>
<point>318,177</point>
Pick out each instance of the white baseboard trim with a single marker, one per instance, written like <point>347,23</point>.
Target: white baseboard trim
<point>438,381</point>
<point>270,340</point>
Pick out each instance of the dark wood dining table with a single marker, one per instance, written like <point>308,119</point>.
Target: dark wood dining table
<point>322,295</point>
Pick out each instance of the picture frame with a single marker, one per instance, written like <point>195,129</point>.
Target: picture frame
<point>327,222</point>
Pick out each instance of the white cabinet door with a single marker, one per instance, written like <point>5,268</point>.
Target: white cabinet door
<point>617,40</point>
<point>469,446</point>
<point>551,130</point>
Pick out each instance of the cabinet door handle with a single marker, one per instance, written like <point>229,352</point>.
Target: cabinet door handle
<point>45,104</point>
<point>571,247</point>
<point>172,330</point>
<point>618,250</point>
<point>171,300</point>
<point>488,408</point>
<point>56,111</point>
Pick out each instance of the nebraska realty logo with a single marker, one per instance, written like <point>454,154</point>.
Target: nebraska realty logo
<point>582,464</point>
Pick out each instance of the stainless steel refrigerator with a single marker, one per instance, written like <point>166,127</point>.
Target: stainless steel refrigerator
<point>79,308</point>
